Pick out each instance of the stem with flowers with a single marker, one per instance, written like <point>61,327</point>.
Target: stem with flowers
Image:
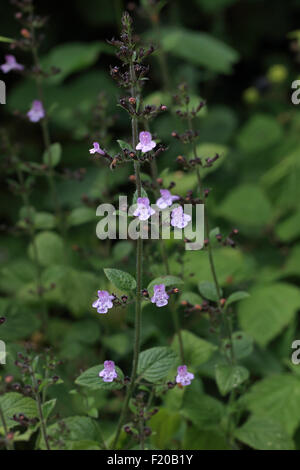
<point>139,256</point>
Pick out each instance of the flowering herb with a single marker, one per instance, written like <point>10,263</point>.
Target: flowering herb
<point>108,374</point>
<point>37,112</point>
<point>160,297</point>
<point>179,219</point>
<point>104,301</point>
<point>146,144</point>
<point>96,149</point>
<point>143,210</point>
<point>11,64</point>
<point>166,199</point>
<point>183,376</point>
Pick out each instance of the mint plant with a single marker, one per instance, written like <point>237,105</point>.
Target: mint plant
<point>112,335</point>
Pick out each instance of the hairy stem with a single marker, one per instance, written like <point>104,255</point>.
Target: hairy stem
<point>139,260</point>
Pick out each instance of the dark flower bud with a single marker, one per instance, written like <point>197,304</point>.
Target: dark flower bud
<point>2,320</point>
<point>145,293</point>
<point>127,429</point>
<point>147,431</point>
<point>124,298</point>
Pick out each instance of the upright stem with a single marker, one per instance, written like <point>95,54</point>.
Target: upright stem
<point>139,255</point>
<point>8,444</point>
<point>40,409</point>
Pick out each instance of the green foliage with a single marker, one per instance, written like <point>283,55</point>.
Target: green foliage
<point>230,377</point>
<point>155,363</point>
<point>197,350</point>
<point>13,403</point>
<point>264,434</point>
<point>268,310</point>
<point>199,49</point>
<point>120,279</point>
<point>90,379</point>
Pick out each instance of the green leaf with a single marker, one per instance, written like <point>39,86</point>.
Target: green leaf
<point>229,377</point>
<point>48,407</point>
<point>191,297</point>
<point>49,248</point>
<point>72,57</point>
<point>204,411</point>
<point>276,397</point>
<point>75,289</point>
<point>242,345</point>
<point>166,280</point>
<point>199,49</point>
<point>90,379</point>
<point>289,228</point>
<point>4,39</point>
<point>21,321</point>
<point>14,403</point>
<point>155,363</point>
<point>196,350</point>
<point>43,221</point>
<point>164,425</point>
<point>81,215</point>
<point>52,156</point>
<point>213,439</point>
<point>78,428</point>
<point>264,434</point>
<point>235,297</point>
<point>208,291</point>
<point>124,145</point>
<point>232,266</point>
<point>259,133</point>
<point>246,205</point>
<point>120,279</point>
<point>269,309</point>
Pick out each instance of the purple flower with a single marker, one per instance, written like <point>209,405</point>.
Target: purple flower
<point>166,199</point>
<point>11,64</point>
<point>109,373</point>
<point>179,219</point>
<point>143,210</point>
<point>36,112</point>
<point>104,301</point>
<point>97,149</point>
<point>183,376</point>
<point>146,143</point>
<point>160,297</point>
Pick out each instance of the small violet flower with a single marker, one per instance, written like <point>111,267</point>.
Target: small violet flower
<point>109,373</point>
<point>143,210</point>
<point>160,297</point>
<point>97,149</point>
<point>11,64</point>
<point>37,112</point>
<point>166,199</point>
<point>183,376</point>
<point>179,219</point>
<point>146,143</point>
<point>104,301</point>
